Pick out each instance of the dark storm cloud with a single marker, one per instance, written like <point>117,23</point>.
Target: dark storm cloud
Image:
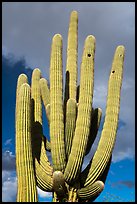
<point>119,184</point>
<point>8,161</point>
<point>28,29</point>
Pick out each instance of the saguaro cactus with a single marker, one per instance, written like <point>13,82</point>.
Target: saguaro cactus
<point>73,124</point>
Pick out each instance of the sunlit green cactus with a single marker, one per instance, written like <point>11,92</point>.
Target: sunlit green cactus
<point>73,124</point>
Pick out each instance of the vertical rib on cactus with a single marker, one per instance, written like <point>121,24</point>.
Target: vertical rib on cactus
<point>27,191</point>
<point>45,94</point>
<point>108,136</point>
<point>91,190</point>
<point>56,105</point>
<point>84,112</point>
<point>39,153</point>
<point>72,50</point>
<point>70,125</point>
<point>44,91</point>
<point>21,80</point>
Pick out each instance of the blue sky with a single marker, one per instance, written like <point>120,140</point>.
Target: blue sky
<point>26,44</point>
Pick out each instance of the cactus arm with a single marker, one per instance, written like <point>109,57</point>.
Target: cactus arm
<point>71,111</point>
<point>108,135</point>
<point>44,91</point>
<point>44,177</point>
<point>91,191</point>
<point>56,105</point>
<point>95,122</point>
<point>41,162</point>
<point>27,191</point>
<point>45,94</point>
<point>72,50</point>
<point>21,80</point>
<point>84,112</point>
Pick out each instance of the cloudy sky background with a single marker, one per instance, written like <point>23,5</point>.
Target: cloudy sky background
<point>27,31</point>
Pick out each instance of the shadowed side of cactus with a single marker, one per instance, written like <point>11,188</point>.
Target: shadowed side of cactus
<point>43,169</point>
<point>84,112</point>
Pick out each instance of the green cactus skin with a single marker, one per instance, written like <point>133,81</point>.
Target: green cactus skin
<point>71,112</point>
<point>21,80</point>
<point>45,93</point>
<point>95,122</point>
<point>27,191</point>
<point>72,50</point>
<point>84,112</point>
<point>108,136</point>
<point>56,105</point>
<point>73,125</point>
<point>91,190</point>
<point>39,154</point>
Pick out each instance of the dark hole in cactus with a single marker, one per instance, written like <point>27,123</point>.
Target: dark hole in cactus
<point>89,55</point>
<point>120,55</point>
<point>113,72</point>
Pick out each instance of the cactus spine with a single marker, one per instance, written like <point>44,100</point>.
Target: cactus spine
<point>73,124</point>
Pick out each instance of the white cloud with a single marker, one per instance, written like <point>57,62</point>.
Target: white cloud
<point>8,141</point>
<point>44,194</point>
<point>9,187</point>
<point>8,161</point>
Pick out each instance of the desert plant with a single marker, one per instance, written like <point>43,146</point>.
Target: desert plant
<point>73,124</point>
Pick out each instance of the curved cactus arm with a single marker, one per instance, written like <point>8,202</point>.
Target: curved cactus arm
<point>72,52</point>
<point>42,167</point>
<point>38,140</point>
<point>44,179</point>
<point>95,122</point>
<point>71,111</point>
<point>108,135</point>
<point>27,191</point>
<point>56,105</point>
<point>85,173</point>
<point>45,93</point>
<point>84,112</point>
<point>91,191</point>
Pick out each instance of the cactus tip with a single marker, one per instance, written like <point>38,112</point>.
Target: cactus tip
<point>101,185</point>
<point>57,37</point>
